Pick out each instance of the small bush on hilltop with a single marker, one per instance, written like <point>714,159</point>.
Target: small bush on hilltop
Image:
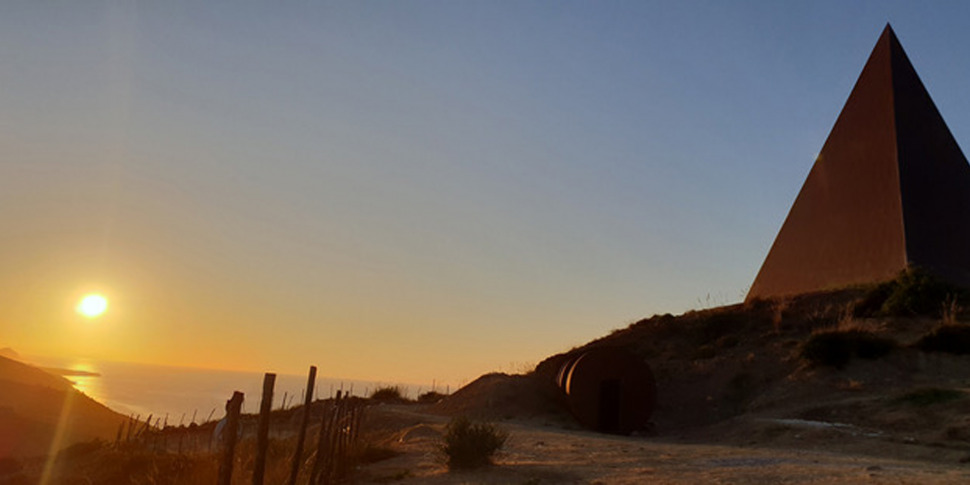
<point>835,348</point>
<point>871,303</point>
<point>388,394</point>
<point>913,292</point>
<point>952,338</point>
<point>431,397</point>
<point>471,445</point>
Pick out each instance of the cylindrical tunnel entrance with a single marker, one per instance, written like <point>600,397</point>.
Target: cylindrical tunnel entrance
<point>609,390</point>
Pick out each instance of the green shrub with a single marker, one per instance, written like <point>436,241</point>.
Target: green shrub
<point>948,338</point>
<point>835,348</point>
<point>471,445</point>
<point>871,303</point>
<point>916,292</point>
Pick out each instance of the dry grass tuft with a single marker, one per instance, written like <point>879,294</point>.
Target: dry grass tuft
<point>471,445</point>
<point>835,347</point>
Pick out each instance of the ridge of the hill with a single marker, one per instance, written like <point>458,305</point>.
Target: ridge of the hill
<point>34,403</point>
<point>711,364</point>
<point>740,373</point>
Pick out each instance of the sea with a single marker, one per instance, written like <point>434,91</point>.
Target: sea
<point>183,395</point>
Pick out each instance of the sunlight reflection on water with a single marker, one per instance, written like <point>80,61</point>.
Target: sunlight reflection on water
<point>88,384</point>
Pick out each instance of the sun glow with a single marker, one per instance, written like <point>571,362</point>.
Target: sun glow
<point>92,305</point>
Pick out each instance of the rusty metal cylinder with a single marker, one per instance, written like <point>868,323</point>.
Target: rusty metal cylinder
<point>608,390</point>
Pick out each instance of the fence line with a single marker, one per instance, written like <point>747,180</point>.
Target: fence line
<point>235,438</point>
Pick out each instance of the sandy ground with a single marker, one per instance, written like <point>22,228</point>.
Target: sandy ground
<point>540,453</point>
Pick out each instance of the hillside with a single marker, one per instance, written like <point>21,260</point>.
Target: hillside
<point>33,403</point>
<point>740,374</point>
<point>839,387</point>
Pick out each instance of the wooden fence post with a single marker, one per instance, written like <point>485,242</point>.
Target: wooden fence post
<point>121,430</point>
<point>301,437</point>
<point>132,423</point>
<point>262,434</point>
<point>231,430</point>
<point>324,448</point>
<point>333,447</point>
<point>337,456</point>
<point>321,445</point>
<point>148,423</point>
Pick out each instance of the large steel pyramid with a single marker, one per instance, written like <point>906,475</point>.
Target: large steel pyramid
<point>889,190</point>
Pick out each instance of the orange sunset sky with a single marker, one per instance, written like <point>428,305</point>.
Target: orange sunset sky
<point>408,191</point>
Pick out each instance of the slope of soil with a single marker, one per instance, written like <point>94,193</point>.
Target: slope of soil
<point>735,375</point>
<point>35,404</point>
<point>737,403</point>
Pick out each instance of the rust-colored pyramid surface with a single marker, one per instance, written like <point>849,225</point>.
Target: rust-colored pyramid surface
<point>889,190</point>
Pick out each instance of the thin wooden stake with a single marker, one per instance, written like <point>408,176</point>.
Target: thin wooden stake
<point>301,437</point>
<point>332,454</point>
<point>262,435</point>
<point>233,407</point>
<point>132,423</point>
<point>327,427</point>
<point>148,423</point>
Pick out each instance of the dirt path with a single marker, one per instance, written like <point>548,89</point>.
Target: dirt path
<point>537,454</point>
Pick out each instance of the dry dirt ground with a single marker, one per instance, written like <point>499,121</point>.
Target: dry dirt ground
<point>543,452</point>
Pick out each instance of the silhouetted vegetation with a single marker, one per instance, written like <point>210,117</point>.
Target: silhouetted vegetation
<point>835,348</point>
<point>913,292</point>
<point>471,445</point>
<point>947,338</point>
<point>871,303</point>
<point>715,326</point>
<point>388,394</point>
<point>431,397</point>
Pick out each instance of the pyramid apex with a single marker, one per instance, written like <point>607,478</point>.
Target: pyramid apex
<point>888,34</point>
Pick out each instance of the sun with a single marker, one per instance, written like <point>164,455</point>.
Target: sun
<point>92,305</point>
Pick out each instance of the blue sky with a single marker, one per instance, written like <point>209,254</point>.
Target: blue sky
<point>412,190</point>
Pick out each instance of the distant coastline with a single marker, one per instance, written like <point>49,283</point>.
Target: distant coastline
<point>186,394</point>
<point>69,372</point>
